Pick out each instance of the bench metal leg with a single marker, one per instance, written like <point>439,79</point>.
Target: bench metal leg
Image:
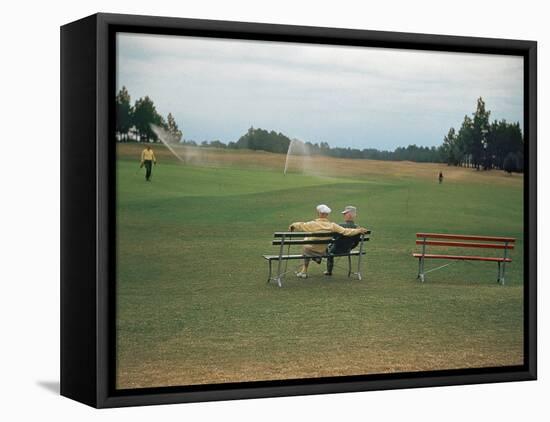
<point>281,249</point>
<point>420,275</point>
<point>421,261</point>
<point>502,273</point>
<point>361,247</point>
<point>278,277</point>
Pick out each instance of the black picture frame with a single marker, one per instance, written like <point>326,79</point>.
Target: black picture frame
<point>88,209</point>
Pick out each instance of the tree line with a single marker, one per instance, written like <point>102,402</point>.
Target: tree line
<point>478,143</point>
<point>486,145</point>
<point>271,141</point>
<point>133,122</point>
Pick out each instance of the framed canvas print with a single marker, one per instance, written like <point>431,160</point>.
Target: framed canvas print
<point>256,210</point>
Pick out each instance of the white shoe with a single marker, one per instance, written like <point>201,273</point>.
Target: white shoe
<point>300,274</point>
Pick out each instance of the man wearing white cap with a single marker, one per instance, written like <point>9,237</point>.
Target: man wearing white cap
<point>320,224</point>
<point>343,244</point>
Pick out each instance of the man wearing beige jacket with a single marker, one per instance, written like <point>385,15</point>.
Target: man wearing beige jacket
<point>148,159</point>
<point>321,223</point>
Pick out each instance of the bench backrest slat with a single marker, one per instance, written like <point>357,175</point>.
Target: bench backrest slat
<point>302,242</point>
<point>465,237</point>
<point>465,244</point>
<point>307,242</point>
<point>305,238</point>
<point>290,235</point>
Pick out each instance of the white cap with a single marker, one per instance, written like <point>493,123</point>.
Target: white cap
<point>323,209</point>
<point>351,209</point>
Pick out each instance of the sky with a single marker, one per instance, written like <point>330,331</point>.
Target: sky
<point>347,96</point>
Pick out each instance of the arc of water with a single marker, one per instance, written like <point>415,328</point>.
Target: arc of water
<point>290,145</point>
<point>165,137</point>
<point>296,148</point>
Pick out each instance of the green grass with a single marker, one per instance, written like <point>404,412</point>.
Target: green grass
<point>193,305</point>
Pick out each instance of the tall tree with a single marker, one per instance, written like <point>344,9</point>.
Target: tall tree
<point>482,143</point>
<point>480,128</point>
<point>123,113</point>
<point>510,163</point>
<point>144,115</point>
<point>172,128</point>
<point>507,139</point>
<point>449,150</point>
<point>464,142</point>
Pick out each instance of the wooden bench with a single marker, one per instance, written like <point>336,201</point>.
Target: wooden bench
<point>463,241</point>
<point>288,239</point>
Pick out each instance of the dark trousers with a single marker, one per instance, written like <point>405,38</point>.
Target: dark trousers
<point>148,166</point>
<point>335,248</point>
<point>330,264</point>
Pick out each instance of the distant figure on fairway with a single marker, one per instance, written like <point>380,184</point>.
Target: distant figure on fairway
<point>440,177</point>
<point>343,244</point>
<point>148,159</point>
<point>321,223</point>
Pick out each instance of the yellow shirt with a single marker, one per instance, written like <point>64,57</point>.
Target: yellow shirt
<point>323,224</point>
<point>148,154</point>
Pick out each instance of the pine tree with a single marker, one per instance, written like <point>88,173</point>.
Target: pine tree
<point>449,149</point>
<point>123,113</point>
<point>464,142</point>
<point>480,129</point>
<point>172,128</point>
<point>145,114</point>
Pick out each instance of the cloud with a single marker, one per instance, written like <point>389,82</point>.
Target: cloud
<point>347,96</point>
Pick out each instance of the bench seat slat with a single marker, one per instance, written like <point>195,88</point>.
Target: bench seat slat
<point>465,244</point>
<point>300,256</point>
<point>462,257</point>
<point>295,234</point>
<point>466,237</point>
<point>307,242</point>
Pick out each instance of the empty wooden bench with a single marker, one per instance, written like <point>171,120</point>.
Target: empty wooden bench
<point>505,244</point>
<point>284,240</point>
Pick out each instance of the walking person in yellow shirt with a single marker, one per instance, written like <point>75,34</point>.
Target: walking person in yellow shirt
<point>320,224</point>
<point>148,159</point>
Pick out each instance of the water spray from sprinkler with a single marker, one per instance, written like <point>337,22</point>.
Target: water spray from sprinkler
<point>297,148</point>
<point>168,139</point>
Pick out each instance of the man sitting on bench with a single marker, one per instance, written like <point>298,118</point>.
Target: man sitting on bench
<point>321,223</point>
<point>343,244</point>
